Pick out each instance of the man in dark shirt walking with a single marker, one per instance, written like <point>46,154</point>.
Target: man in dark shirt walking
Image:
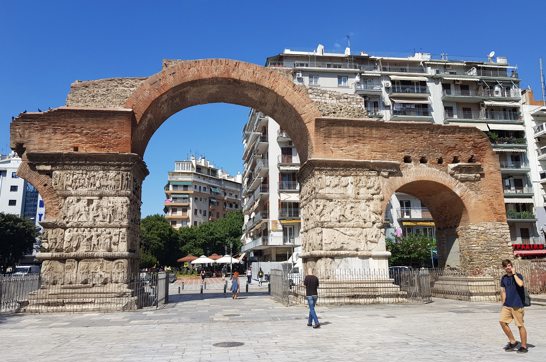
<point>512,295</point>
<point>311,283</point>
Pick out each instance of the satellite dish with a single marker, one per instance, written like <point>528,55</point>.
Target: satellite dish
<point>492,54</point>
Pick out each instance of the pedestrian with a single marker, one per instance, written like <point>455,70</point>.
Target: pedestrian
<point>311,283</point>
<point>249,275</point>
<point>235,288</point>
<point>512,295</point>
<point>260,276</point>
<point>203,274</point>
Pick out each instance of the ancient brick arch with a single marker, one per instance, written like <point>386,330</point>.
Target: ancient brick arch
<point>86,160</point>
<point>189,83</point>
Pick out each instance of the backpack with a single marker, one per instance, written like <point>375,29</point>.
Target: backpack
<point>526,298</point>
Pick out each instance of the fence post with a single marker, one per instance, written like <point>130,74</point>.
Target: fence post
<point>201,289</point>
<point>225,288</point>
<point>247,287</point>
<point>166,288</point>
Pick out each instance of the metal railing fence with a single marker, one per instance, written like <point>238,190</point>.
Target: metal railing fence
<point>28,294</point>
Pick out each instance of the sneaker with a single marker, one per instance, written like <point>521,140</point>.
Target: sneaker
<point>522,350</point>
<point>309,325</point>
<point>510,346</point>
<point>316,326</point>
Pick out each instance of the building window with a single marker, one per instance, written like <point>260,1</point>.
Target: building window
<point>41,203</point>
<point>342,81</point>
<point>14,175</point>
<point>195,212</point>
<point>448,111</point>
<point>12,202</point>
<point>173,223</point>
<point>174,210</point>
<point>313,79</point>
<point>13,188</point>
<point>204,212</point>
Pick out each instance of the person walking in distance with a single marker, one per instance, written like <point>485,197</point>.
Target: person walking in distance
<point>249,275</point>
<point>512,295</point>
<point>235,287</point>
<point>311,283</point>
<point>260,276</point>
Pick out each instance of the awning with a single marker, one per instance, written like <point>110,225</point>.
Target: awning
<point>181,183</point>
<point>518,200</point>
<point>405,77</point>
<point>501,104</point>
<point>284,222</point>
<point>461,78</point>
<point>480,126</point>
<point>529,252</point>
<point>410,101</point>
<point>505,127</point>
<point>511,150</point>
<point>418,223</point>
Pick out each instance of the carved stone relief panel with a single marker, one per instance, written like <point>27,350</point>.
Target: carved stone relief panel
<point>92,180</point>
<point>52,272</point>
<point>53,240</point>
<point>95,239</point>
<point>78,211</point>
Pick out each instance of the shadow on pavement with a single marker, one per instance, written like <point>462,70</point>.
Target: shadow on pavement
<point>181,298</point>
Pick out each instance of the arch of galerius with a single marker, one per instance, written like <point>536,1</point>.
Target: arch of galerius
<point>86,160</point>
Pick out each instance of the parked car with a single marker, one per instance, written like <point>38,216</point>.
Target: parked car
<point>26,269</point>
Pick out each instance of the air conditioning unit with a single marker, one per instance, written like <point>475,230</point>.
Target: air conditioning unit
<point>299,75</point>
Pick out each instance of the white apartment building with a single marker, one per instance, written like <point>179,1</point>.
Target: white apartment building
<point>198,192</point>
<point>483,94</point>
<point>17,196</point>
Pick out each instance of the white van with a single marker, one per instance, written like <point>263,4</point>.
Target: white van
<point>26,269</point>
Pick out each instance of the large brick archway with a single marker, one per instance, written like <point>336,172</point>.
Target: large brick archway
<point>86,160</point>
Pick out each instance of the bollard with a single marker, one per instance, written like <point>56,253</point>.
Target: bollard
<point>205,284</point>
<point>178,290</point>
<point>247,287</point>
<point>182,285</point>
<point>225,288</point>
<point>201,288</point>
<point>269,288</point>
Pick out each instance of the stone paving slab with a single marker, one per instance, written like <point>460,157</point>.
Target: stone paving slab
<point>188,330</point>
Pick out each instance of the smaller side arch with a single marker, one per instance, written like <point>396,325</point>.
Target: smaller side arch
<point>42,183</point>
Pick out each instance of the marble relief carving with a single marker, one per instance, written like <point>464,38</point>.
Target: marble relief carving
<point>75,180</point>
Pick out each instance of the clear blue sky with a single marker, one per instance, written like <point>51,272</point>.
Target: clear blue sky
<point>46,45</point>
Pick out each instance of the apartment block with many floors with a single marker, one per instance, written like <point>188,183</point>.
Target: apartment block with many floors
<point>198,192</point>
<point>483,94</point>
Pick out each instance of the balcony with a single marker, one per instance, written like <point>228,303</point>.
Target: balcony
<point>289,186</point>
<point>288,162</point>
<point>520,216</point>
<point>518,191</point>
<point>412,114</point>
<point>256,220</point>
<point>262,166</point>
<point>368,88</point>
<point>514,166</point>
<point>413,90</point>
<point>256,244</point>
<point>282,136</point>
<point>177,202</point>
<point>462,95</point>
<point>542,153</point>
<point>289,213</point>
<point>463,115</point>
<point>502,116</point>
<point>413,213</point>
<point>402,69</point>
<point>540,130</point>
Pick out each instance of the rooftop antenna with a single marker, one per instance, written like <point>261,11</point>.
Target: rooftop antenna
<point>348,41</point>
<point>490,56</point>
<point>542,83</point>
<point>443,56</point>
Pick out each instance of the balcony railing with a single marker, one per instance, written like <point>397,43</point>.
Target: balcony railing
<point>369,87</point>
<point>518,191</point>
<point>413,213</point>
<point>288,213</point>
<point>508,141</point>
<point>520,215</point>
<point>288,160</point>
<point>502,115</point>
<point>420,89</point>
<point>463,115</point>
<point>402,69</point>
<point>411,112</point>
<point>513,164</point>
<point>541,128</point>
<point>486,93</point>
<point>289,186</point>
<point>462,93</point>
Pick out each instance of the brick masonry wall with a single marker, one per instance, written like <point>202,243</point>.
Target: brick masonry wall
<point>67,130</point>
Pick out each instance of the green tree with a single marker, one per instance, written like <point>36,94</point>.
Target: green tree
<point>213,237</point>
<point>159,242</point>
<point>17,235</point>
<point>412,250</point>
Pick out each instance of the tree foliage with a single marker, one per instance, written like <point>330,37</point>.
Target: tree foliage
<point>17,236</point>
<point>213,237</point>
<point>159,243</point>
<point>412,250</point>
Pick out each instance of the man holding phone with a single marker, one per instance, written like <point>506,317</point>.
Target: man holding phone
<point>512,295</point>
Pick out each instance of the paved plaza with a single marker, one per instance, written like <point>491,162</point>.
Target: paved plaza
<point>197,327</point>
